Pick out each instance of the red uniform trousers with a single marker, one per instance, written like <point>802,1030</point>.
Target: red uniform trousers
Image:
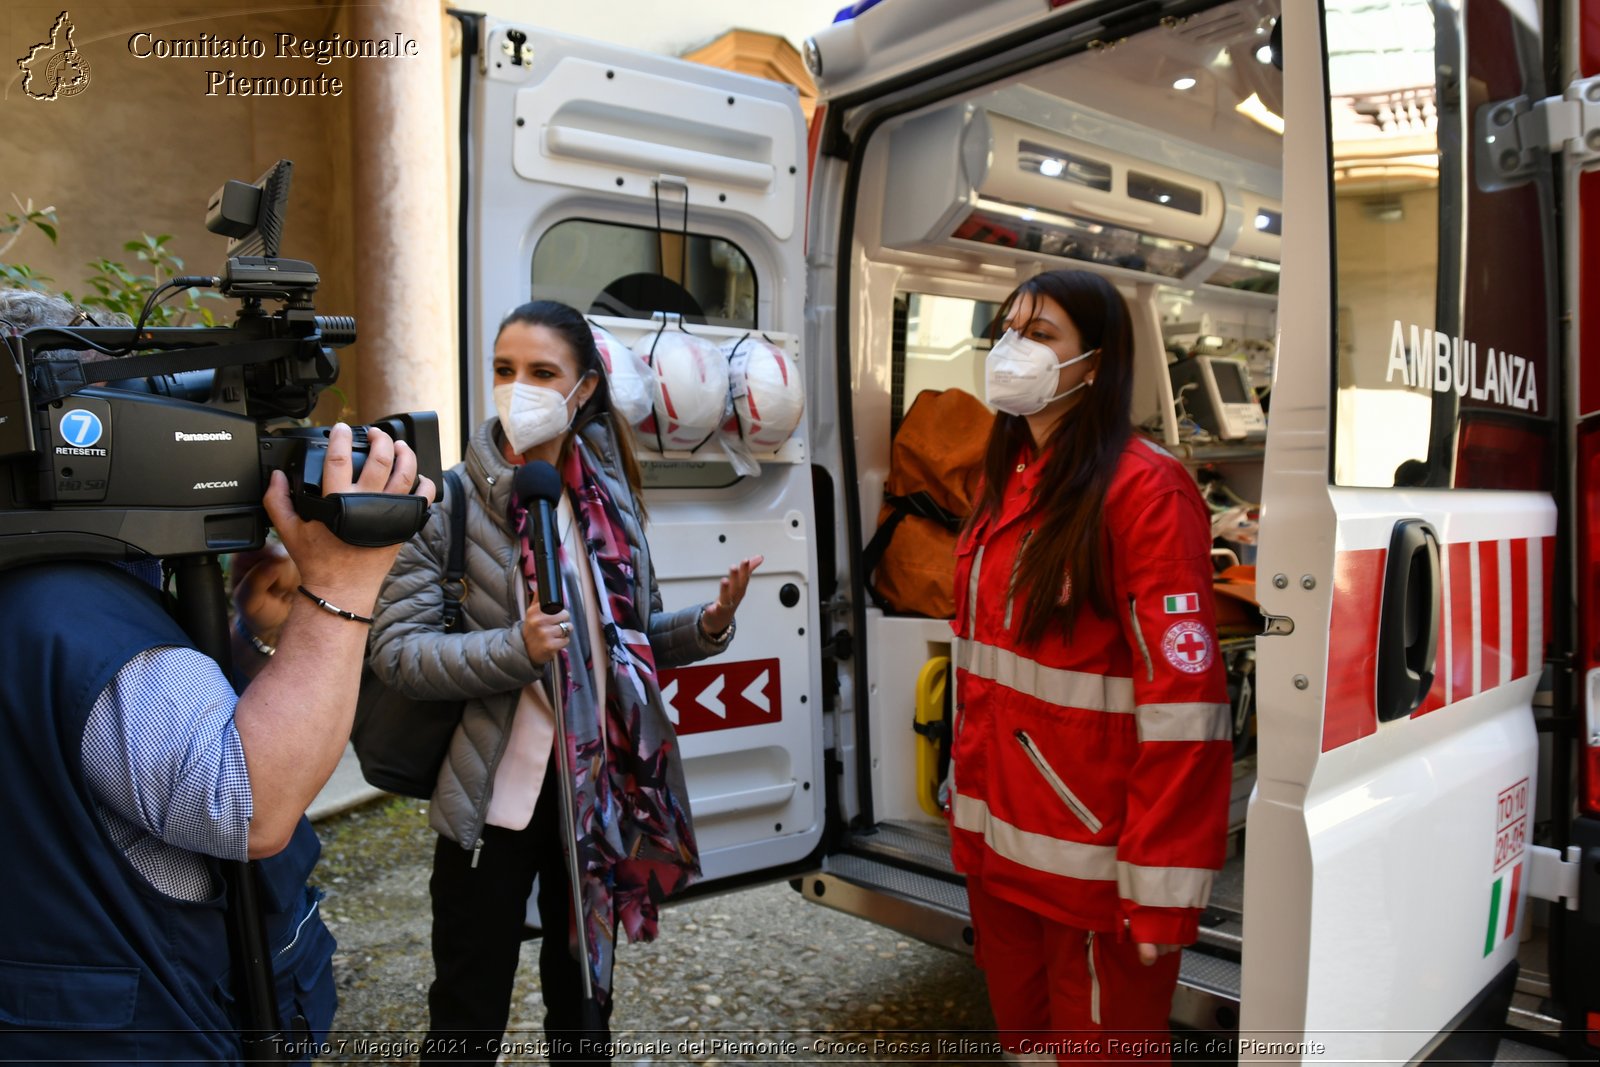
<point>1082,995</point>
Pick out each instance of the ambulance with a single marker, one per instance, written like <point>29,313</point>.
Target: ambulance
<point>1357,238</point>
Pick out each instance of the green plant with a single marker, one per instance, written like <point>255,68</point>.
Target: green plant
<point>116,286</point>
<point>18,275</point>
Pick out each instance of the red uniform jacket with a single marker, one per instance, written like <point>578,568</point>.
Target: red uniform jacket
<point>1092,769</point>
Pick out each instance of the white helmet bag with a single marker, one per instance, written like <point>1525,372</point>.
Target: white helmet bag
<point>633,385</point>
<point>692,378</point>
<point>767,394</point>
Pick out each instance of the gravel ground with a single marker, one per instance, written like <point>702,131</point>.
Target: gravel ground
<point>794,981</point>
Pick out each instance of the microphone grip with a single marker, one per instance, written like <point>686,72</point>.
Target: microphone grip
<point>546,557</point>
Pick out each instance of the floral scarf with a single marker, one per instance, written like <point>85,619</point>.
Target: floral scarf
<point>635,842</point>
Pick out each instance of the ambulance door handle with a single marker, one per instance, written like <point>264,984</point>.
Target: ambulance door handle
<point>1408,621</point>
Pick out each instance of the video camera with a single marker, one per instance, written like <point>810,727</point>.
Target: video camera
<point>167,448</point>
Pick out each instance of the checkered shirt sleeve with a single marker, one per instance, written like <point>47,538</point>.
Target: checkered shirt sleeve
<point>166,767</point>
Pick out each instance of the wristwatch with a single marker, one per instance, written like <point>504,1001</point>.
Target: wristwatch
<point>720,640</point>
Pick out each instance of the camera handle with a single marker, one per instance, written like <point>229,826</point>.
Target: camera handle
<point>367,520</point>
<point>202,612</point>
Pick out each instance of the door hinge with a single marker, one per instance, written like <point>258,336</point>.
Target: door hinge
<point>1554,877</point>
<point>1513,137</point>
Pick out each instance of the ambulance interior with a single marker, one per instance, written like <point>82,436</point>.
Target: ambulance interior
<point>1157,163</point>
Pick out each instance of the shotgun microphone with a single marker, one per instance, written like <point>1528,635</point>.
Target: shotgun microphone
<point>538,488</point>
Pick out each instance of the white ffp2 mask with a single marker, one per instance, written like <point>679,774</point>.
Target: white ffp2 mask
<point>1020,375</point>
<point>531,415</point>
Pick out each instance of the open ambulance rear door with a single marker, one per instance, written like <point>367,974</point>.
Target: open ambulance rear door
<point>625,183</point>
<point>1408,534</point>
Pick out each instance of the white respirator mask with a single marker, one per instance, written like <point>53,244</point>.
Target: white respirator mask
<point>532,415</point>
<point>1020,375</point>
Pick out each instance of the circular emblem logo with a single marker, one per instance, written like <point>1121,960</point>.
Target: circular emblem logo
<point>1187,646</point>
<point>81,428</point>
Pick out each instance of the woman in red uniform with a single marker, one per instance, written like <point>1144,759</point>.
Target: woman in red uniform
<point>1092,753</point>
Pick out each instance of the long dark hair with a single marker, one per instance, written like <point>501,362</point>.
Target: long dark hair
<point>573,328</point>
<point>1080,456</point>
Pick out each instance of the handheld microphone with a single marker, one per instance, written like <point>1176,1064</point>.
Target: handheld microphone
<point>538,488</point>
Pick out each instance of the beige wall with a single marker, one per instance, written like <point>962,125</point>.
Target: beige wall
<point>669,28</point>
<point>143,147</point>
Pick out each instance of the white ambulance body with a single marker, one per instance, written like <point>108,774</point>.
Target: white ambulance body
<point>1389,239</point>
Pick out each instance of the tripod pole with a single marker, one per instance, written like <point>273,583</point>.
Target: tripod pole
<point>569,823</point>
<point>202,612</point>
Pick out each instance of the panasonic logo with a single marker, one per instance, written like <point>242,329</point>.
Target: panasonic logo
<point>216,485</point>
<point>221,435</point>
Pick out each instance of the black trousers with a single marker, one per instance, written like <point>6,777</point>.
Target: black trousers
<point>477,936</point>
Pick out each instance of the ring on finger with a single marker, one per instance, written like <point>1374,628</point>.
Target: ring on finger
<point>566,629</point>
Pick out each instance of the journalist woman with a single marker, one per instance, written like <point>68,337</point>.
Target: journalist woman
<point>496,805</point>
<point>1091,755</point>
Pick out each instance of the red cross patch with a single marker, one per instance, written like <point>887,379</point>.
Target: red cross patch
<point>1187,646</point>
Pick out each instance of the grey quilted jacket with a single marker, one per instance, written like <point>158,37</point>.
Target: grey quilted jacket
<point>486,663</point>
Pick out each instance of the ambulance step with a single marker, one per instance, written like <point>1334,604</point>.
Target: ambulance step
<point>1516,1052</point>
<point>919,905</point>
<point>1207,997</point>
<point>924,845</point>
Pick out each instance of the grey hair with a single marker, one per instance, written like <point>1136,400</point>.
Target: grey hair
<point>25,309</point>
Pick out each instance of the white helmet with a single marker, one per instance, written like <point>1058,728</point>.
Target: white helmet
<point>633,386</point>
<point>692,377</point>
<point>767,395</point>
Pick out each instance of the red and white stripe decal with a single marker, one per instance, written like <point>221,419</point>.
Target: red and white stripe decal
<point>1494,616</point>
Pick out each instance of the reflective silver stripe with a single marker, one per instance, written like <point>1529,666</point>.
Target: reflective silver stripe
<point>1094,985</point>
<point>1016,565</point>
<point>1038,851</point>
<point>1138,635</point>
<point>972,593</point>
<point>1164,887</point>
<point>1067,689</point>
<point>1184,722</point>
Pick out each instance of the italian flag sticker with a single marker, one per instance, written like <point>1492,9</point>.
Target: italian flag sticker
<point>1183,603</point>
<point>1503,899</point>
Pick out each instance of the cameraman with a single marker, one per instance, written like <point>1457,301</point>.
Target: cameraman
<point>128,767</point>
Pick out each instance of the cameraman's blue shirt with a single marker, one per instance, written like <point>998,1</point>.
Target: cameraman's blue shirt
<point>167,770</point>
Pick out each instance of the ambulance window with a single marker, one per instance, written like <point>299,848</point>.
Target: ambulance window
<point>1444,279</point>
<point>1053,163</point>
<point>1153,190</point>
<point>939,343</point>
<point>605,268</point>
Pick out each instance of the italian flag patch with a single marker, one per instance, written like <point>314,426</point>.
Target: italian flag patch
<point>1503,899</point>
<point>1183,603</point>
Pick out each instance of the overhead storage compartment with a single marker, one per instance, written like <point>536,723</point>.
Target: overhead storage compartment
<point>988,178</point>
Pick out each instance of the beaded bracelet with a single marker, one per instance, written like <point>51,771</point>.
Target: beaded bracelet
<point>332,610</point>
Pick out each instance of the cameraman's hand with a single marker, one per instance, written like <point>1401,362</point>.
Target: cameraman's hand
<point>342,573</point>
<point>545,635</point>
<point>294,718</point>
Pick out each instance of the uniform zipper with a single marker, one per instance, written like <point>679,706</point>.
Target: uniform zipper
<point>1016,565</point>
<point>1070,799</point>
<point>476,848</point>
<point>1094,985</point>
<point>310,912</point>
<point>1138,635</point>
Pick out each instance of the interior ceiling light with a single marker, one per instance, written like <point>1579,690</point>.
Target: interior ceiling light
<point>1184,83</point>
<point>1262,222</point>
<point>1051,168</point>
<point>1264,54</point>
<point>1253,108</point>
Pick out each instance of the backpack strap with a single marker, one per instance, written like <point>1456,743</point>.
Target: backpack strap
<point>454,580</point>
<point>920,504</point>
